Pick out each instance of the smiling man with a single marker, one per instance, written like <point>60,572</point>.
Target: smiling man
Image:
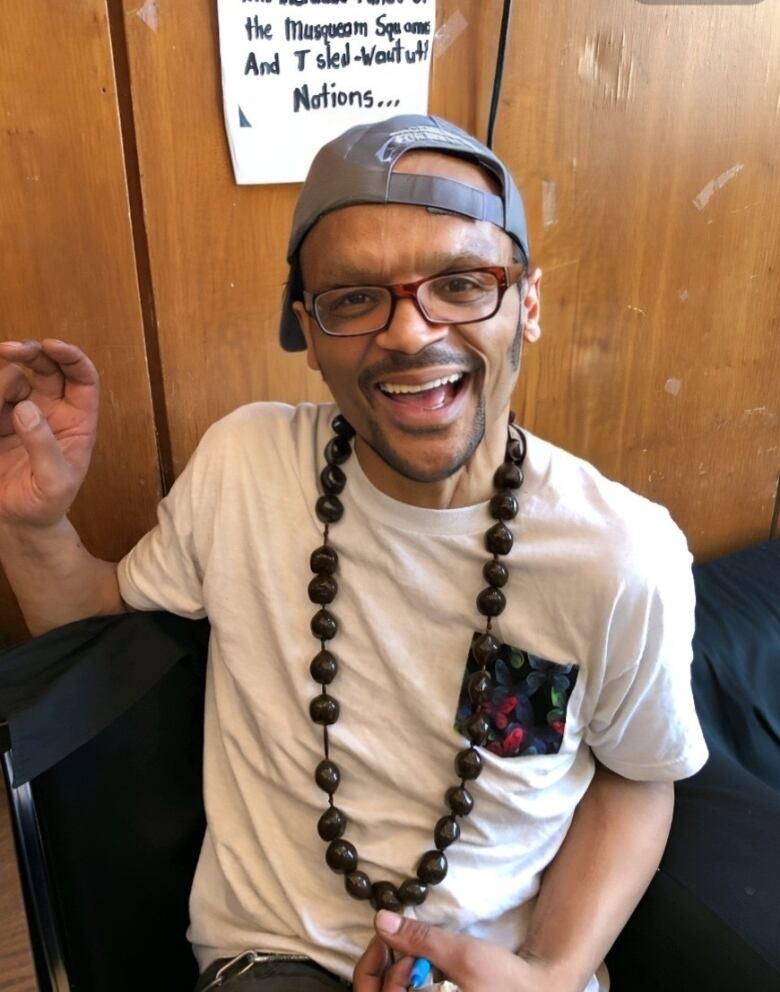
<point>449,663</point>
<point>420,397</point>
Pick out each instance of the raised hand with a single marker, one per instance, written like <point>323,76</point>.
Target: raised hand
<point>48,422</point>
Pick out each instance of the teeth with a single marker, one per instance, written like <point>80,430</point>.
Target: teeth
<point>390,387</point>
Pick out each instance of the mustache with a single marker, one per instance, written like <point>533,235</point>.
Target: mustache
<point>434,355</point>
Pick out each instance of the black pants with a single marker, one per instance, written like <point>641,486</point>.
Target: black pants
<point>276,976</point>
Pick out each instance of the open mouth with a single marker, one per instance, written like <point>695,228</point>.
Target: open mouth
<point>432,395</point>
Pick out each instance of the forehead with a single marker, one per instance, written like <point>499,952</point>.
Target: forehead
<point>384,241</point>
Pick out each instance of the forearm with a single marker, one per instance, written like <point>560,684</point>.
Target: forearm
<point>55,579</point>
<point>592,886</point>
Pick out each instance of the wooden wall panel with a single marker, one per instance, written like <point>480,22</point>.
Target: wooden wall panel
<point>17,971</point>
<point>67,266</point>
<point>217,249</point>
<point>647,141</point>
<point>660,313</point>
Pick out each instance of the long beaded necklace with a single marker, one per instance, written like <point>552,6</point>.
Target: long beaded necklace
<point>342,856</point>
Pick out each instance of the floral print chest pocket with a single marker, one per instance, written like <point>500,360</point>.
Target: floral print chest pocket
<point>527,707</point>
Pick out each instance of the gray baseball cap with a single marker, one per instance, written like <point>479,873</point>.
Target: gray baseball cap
<point>357,167</point>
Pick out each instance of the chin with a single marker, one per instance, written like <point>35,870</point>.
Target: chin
<point>430,459</point>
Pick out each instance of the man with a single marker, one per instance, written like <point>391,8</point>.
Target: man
<point>412,294</point>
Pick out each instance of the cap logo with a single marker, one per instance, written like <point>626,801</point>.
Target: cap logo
<point>422,133</point>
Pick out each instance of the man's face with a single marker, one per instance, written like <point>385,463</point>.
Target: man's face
<point>389,384</point>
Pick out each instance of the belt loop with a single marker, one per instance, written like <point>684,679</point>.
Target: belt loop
<point>219,978</point>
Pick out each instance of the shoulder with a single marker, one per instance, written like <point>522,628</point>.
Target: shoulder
<point>265,429</point>
<point>611,533</point>
<point>274,420</point>
<point>257,448</point>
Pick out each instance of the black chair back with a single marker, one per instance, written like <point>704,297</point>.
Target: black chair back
<point>109,836</point>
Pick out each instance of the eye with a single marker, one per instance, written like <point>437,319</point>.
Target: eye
<point>461,284</point>
<point>463,287</point>
<point>350,302</point>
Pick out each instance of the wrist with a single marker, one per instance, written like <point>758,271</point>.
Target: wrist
<point>551,974</point>
<point>24,536</point>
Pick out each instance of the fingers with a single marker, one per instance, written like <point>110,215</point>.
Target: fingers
<point>14,387</point>
<point>51,473</point>
<point>452,953</point>
<point>398,977</point>
<point>48,377</point>
<point>370,969</point>
<point>58,370</point>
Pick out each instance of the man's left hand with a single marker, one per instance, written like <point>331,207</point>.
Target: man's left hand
<point>473,965</point>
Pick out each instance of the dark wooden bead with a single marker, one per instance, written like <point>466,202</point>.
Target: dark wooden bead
<point>468,763</point>
<point>480,687</point>
<point>477,728</point>
<point>459,800</point>
<point>332,824</point>
<point>337,451</point>
<point>358,884</point>
<point>324,710</point>
<point>495,573</point>
<point>503,506</point>
<point>333,480</point>
<point>508,476</point>
<point>341,856</point>
<point>412,892</point>
<point>491,602</point>
<point>327,776</point>
<point>485,649</point>
<point>432,867</point>
<point>384,895</point>
<point>515,450</point>
<point>446,832</point>
<point>499,539</point>
<point>342,427</point>
<point>323,589</point>
<point>324,625</point>
<point>324,561</point>
<point>329,509</point>
<point>324,667</point>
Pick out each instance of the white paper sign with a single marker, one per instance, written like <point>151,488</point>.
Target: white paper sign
<point>295,73</point>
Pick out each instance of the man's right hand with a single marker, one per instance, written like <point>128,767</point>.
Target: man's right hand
<point>48,422</point>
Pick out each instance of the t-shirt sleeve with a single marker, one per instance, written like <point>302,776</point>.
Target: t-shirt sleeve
<point>162,572</point>
<point>644,725</point>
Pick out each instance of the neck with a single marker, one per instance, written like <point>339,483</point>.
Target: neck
<point>471,484</point>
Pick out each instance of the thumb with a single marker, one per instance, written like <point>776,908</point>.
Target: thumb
<point>49,468</point>
<point>451,953</point>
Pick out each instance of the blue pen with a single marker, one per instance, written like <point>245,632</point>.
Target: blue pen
<point>421,972</point>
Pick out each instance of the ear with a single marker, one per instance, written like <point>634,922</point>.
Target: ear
<point>531,304</point>
<point>308,329</point>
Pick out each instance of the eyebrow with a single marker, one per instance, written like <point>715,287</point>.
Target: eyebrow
<point>474,258</point>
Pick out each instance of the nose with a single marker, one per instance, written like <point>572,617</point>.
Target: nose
<point>409,331</point>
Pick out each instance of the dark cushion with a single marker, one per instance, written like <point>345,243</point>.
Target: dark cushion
<point>121,816</point>
<point>59,690</point>
<point>736,668</point>
<point>709,918</point>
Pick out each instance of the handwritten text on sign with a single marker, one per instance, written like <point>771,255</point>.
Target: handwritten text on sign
<point>295,73</point>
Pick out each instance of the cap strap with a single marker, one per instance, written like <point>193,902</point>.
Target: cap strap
<point>445,194</point>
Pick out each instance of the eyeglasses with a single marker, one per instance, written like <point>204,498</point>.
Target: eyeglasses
<point>454,298</point>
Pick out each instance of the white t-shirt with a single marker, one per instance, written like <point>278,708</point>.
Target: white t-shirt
<point>599,579</point>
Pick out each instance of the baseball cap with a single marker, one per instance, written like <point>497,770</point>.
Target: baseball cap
<point>357,167</point>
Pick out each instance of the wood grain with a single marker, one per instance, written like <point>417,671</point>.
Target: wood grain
<point>67,264</point>
<point>217,249</point>
<point>659,361</point>
<point>646,141</point>
<point>17,972</point>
